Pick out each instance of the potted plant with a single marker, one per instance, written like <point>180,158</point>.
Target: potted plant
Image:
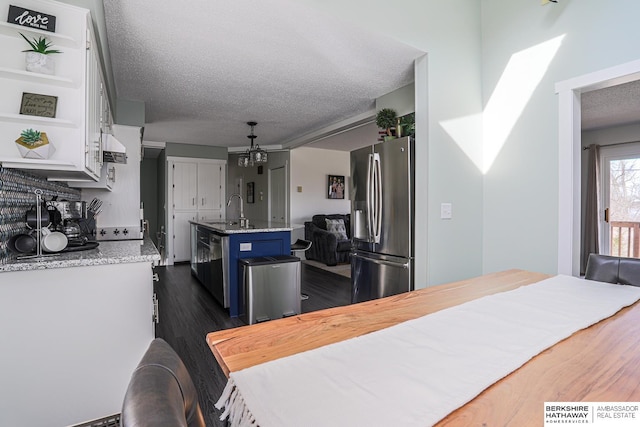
<point>386,119</point>
<point>408,124</point>
<point>34,144</point>
<point>38,58</point>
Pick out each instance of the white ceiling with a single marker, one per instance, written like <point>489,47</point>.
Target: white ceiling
<point>613,106</point>
<point>205,67</point>
<point>204,70</point>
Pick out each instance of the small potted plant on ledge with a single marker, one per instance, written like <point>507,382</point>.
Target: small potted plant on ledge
<point>408,124</point>
<point>38,58</point>
<point>34,144</point>
<point>386,119</point>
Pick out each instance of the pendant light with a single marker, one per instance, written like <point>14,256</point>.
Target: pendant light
<point>253,155</point>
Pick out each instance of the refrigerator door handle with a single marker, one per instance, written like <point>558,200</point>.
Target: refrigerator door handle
<point>377,173</point>
<point>370,213</point>
<point>381,261</point>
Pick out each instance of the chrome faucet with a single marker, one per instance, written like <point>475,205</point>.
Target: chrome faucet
<point>244,222</point>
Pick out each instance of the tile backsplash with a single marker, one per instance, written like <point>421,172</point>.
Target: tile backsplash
<point>17,196</point>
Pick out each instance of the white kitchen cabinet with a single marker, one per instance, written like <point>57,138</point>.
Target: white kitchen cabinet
<point>71,337</point>
<point>107,181</point>
<point>77,84</point>
<point>185,186</point>
<point>196,193</point>
<point>210,182</point>
<point>181,235</point>
<point>208,215</point>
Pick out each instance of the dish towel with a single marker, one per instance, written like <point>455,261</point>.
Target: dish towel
<point>417,372</point>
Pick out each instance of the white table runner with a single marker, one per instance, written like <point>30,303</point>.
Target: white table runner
<point>417,372</point>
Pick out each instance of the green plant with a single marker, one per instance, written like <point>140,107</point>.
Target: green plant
<point>40,45</point>
<point>408,124</point>
<point>386,119</point>
<point>30,136</point>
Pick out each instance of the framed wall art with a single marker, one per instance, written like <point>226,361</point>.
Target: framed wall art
<point>250,192</point>
<point>35,104</point>
<point>336,187</point>
<point>31,18</point>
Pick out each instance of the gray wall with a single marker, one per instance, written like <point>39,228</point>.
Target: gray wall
<point>448,93</point>
<point>162,195</point>
<point>259,210</point>
<point>521,189</point>
<point>149,195</point>
<point>130,113</point>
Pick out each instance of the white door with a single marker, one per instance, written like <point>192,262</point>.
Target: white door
<point>185,185</point>
<point>278,194</point>
<point>182,235</point>
<point>620,200</point>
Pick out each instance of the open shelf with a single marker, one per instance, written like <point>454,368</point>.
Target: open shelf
<point>9,29</point>
<point>36,119</point>
<point>15,73</point>
<point>22,163</point>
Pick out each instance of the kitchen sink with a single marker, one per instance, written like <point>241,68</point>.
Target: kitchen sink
<point>223,222</point>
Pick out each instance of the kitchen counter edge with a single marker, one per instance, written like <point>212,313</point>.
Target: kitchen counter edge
<point>111,252</point>
<point>259,227</point>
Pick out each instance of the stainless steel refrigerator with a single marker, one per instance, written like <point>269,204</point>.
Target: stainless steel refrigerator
<point>382,215</point>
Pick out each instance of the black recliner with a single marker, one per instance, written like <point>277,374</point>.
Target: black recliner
<point>161,392</point>
<point>610,269</point>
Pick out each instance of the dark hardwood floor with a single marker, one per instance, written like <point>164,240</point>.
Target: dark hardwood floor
<point>188,312</point>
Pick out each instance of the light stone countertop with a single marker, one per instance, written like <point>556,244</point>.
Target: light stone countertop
<point>116,252</point>
<point>233,227</point>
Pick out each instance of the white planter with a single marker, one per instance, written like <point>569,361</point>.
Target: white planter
<point>43,150</point>
<point>40,63</point>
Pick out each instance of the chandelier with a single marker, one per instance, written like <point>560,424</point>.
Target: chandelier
<point>253,155</point>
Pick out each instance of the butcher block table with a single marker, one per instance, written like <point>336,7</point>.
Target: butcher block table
<point>600,363</point>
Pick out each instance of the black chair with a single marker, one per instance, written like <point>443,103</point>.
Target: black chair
<point>161,392</point>
<point>300,246</point>
<point>610,269</point>
<point>328,247</point>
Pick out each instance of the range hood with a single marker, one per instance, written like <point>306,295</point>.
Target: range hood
<point>113,151</point>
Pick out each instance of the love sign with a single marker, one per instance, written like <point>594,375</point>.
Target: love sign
<point>31,18</point>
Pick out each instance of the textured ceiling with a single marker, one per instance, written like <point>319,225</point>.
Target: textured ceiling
<point>206,67</point>
<point>612,106</point>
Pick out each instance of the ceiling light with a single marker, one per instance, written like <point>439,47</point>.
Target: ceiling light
<point>253,155</point>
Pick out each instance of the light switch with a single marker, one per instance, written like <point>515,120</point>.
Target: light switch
<point>445,211</point>
<point>299,188</point>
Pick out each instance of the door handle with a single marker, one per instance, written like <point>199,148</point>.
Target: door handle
<point>369,197</point>
<point>377,172</point>
<point>404,265</point>
<point>606,215</point>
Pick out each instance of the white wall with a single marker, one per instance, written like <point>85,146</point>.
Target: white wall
<point>449,31</point>
<point>521,188</point>
<point>309,170</point>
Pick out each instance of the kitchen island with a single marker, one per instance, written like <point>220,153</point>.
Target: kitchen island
<point>217,247</point>
<point>74,327</point>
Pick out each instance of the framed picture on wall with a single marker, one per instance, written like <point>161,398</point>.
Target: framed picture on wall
<point>336,187</point>
<point>250,191</point>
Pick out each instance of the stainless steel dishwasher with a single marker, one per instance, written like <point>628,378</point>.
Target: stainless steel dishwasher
<point>219,277</point>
